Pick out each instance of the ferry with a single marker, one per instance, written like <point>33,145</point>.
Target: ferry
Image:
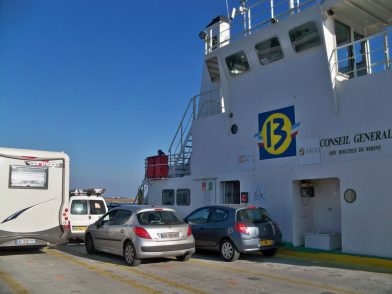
<point>294,115</point>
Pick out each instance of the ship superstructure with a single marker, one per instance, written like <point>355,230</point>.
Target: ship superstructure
<point>293,115</point>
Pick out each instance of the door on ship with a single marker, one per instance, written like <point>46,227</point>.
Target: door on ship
<point>231,192</point>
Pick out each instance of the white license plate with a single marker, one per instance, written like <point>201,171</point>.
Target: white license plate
<point>80,228</point>
<point>266,242</point>
<point>169,235</point>
<point>25,241</point>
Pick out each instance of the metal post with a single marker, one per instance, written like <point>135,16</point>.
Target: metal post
<point>353,53</point>
<point>386,48</point>
<point>249,22</point>
<point>194,108</point>
<point>272,8</point>
<point>292,6</point>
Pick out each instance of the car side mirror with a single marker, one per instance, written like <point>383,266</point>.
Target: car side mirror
<point>186,220</point>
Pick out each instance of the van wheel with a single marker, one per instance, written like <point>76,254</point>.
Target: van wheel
<point>184,257</point>
<point>270,252</point>
<point>228,251</point>
<point>89,243</point>
<point>130,254</point>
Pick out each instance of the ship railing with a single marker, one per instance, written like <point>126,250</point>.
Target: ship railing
<point>202,105</point>
<point>364,56</point>
<point>259,14</point>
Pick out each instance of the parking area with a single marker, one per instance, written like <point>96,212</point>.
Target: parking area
<point>69,269</point>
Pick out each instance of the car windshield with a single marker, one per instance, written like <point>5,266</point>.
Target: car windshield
<point>257,215</point>
<point>158,217</point>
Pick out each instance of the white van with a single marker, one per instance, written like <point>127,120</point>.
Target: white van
<point>86,207</point>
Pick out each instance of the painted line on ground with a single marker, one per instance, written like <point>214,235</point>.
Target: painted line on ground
<point>162,280</point>
<point>126,280</point>
<point>364,261</point>
<point>12,284</point>
<point>279,278</point>
<point>148,276</point>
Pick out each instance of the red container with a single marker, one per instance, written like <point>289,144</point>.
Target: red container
<point>164,171</point>
<point>161,159</point>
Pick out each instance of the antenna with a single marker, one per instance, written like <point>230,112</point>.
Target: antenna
<point>227,8</point>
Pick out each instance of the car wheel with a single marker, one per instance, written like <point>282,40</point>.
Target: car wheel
<point>89,243</point>
<point>270,252</point>
<point>228,251</point>
<point>184,257</point>
<point>130,254</point>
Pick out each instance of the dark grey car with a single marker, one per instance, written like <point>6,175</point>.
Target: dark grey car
<point>234,229</point>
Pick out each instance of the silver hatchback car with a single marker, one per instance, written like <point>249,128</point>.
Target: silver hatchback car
<point>138,232</point>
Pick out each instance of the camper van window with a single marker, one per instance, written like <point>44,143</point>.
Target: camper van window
<point>168,197</point>
<point>79,207</point>
<point>305,36</point>
<point>183,197</point>
<point>29,177</point>
<point>269,51</point>
<point>97,207</point>
<point>237,63</point>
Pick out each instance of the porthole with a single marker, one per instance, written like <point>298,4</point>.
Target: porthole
<point>234,129</point>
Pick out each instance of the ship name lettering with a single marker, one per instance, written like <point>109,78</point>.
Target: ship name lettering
<point>337,141</point>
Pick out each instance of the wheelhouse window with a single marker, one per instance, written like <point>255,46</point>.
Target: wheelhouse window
<point>30,177</point>
<point>305,37</point>
<point>352,58</point>
<point>237,63</point>
<point>269,51</point>
<point>168,197</point>
<point>183,197</point>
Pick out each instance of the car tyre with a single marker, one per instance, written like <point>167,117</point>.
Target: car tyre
<point>270,252</point>
<point>130,254</point>
<point>228,251</point>
<point>184,257</point>
<point>89,243</point>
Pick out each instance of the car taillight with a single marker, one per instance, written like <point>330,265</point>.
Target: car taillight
<point>189,231</point>
<point>241,228</point>
<point>142,233</point>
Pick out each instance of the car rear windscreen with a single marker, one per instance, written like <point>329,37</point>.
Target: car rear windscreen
<point>79,207</point>
<point>257,215</point>
<point>159,217</point>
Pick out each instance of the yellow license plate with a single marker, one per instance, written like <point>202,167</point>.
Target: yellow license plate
<point>82,229</point>
<point>266,242</point>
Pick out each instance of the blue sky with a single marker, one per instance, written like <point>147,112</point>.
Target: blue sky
<point>105,81</point>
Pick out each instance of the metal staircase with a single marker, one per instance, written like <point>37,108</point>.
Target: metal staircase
<point>180,149</point>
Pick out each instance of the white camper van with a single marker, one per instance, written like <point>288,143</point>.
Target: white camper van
<point>34,188</point>
<point>86,207</point>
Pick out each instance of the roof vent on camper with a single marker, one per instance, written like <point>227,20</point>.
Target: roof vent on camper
<point>216,34</point>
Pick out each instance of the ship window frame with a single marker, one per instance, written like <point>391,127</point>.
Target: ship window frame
<point>259,53</point>
<point>172,195</point>
<point>187,198</point>
<point>303,46</point>
<point>233,59</point>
